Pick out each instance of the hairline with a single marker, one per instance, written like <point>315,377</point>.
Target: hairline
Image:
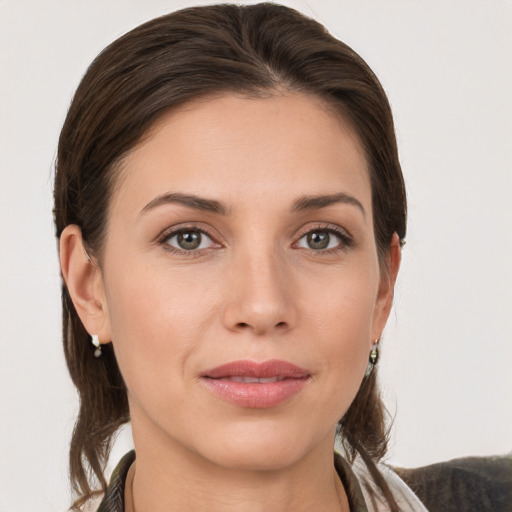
<point>340,113</point>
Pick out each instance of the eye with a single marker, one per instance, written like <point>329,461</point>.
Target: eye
<point>189,240</point>
<point>322,239</point>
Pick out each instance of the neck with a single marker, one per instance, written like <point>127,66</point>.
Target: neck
<point>174,479</point>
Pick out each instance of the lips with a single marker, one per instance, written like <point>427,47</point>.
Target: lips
<point>256,385</point>
<point>252,380</point>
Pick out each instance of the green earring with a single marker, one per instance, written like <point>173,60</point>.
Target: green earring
<point>372,360</point>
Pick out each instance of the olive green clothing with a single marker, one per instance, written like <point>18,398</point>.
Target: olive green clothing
<point>473,484</point>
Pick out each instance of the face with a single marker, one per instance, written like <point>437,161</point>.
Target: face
<point>240,279</point>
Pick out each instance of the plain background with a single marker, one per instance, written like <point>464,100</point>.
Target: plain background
<point>447,67</point>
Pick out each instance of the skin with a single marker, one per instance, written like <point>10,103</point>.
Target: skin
<point>255,289</point>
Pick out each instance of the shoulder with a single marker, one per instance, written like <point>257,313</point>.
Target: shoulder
<point>113,500</point>
<point>470,484</point>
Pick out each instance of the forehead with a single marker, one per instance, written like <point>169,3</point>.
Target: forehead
<point>238,148</point>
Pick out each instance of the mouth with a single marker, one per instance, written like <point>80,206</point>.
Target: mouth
<point>253,380</point>
<point>256,385</point>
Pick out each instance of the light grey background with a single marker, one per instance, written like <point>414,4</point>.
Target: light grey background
<point>447,67</point>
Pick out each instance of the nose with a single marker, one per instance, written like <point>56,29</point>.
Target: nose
<point>260,295</point>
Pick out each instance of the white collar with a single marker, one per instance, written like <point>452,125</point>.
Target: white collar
<point>375,502</point>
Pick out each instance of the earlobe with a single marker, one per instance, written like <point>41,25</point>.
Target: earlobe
<point>84,283</point>
<point>386,287</point>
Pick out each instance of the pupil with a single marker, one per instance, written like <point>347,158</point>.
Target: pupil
<point>318,240</point>
<point>189,240</point>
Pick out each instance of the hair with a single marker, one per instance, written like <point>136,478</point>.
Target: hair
<point>189,54</point>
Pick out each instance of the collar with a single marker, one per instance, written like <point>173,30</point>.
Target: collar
<point>113,501</point>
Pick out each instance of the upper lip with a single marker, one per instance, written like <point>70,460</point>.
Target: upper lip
<point>265,369</point>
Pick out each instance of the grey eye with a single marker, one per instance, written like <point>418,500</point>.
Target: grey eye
<point>320,239</point>
<point>190,240</point>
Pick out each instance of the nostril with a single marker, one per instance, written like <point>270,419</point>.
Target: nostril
<point>245,325</point>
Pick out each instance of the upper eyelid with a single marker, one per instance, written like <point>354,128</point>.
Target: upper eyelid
<point>345,238</point>
<point>172,234</point>
<point>327,226</point>
<point>171,231</point>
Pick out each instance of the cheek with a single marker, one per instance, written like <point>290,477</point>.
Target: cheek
<point>343,307</point>
<point>341,325</point>
<point>156,320</point>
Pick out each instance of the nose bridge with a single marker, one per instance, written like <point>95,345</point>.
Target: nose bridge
<point>260,299</point>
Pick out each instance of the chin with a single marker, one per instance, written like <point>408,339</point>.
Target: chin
<point>261,446</point>
<point>266,457</point>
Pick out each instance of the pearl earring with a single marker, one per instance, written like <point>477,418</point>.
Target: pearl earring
<point>96,342</point>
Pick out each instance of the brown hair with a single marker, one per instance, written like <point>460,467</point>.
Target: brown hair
<point>164,63</point>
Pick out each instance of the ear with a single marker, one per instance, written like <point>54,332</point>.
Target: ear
<point>84,282</point>
<point>385,294</point>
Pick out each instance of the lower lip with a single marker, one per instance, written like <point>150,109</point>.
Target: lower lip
<point>255,395</point>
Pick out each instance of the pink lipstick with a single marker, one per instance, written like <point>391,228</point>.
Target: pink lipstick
<point>256,385</point>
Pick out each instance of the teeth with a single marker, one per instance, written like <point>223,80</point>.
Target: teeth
<point>269,379</point>
<point>253,380</point>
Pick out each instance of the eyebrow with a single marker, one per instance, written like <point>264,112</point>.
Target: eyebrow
<point>189,200</point>
<point>213,206</point>
<point>322,201</point>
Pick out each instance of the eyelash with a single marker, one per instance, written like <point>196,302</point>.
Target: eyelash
<point>172,232</point>
<point>346,241</point>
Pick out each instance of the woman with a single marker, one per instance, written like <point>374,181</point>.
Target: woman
<point>231,210</point>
